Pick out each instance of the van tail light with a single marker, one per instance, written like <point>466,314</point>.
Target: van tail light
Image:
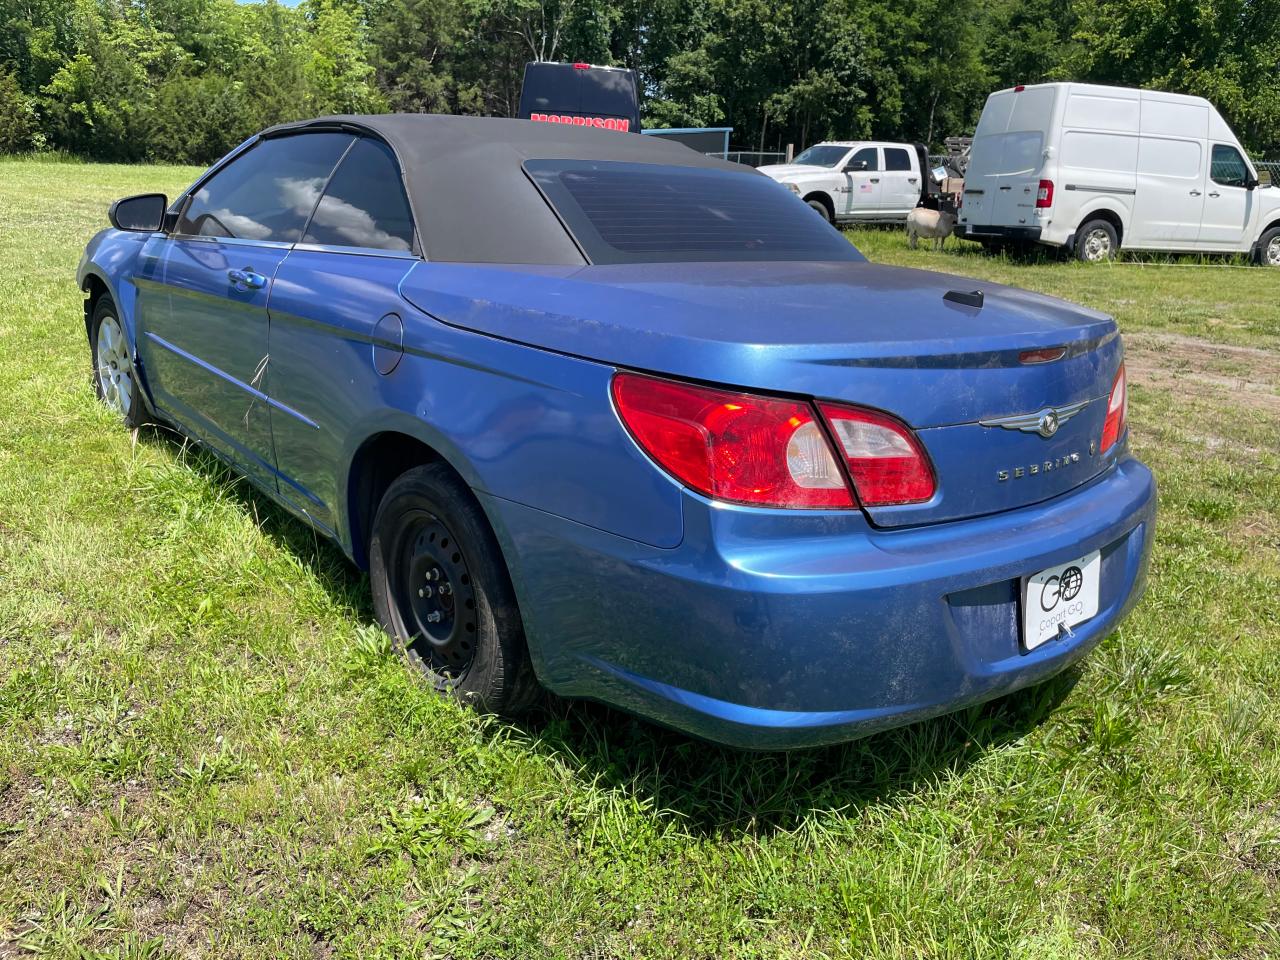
<point>763,451</point>
<point>1044,194</point>
<point>1117,411</point>
<point>885,460</point>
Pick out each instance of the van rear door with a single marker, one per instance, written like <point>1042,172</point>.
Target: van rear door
<point>1008,153</point>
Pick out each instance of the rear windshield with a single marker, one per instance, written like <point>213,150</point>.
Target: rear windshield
<point>1008,153</point>
<point>652,213</point>
<point>558,92</point>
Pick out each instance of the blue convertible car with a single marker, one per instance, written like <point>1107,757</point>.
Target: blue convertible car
<point>603,415</point>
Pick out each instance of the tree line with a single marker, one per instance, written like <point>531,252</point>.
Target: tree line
<point>185,80</point>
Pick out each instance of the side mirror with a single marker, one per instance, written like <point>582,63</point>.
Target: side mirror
<point>143,213</point>
<point>1251,183</point>
<point>855,166</point>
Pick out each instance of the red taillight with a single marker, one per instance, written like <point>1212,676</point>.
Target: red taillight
<point>733,446</point>
<point>1044,194</point>
<point>1117,411</point>
<point>886,462</point>
<point>582,66</point>
<point>1019,88</point>
<point>1046,355</point>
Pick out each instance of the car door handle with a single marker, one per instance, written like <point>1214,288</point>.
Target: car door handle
<point>912,179</point>
<point>1195,193</point>
<point>1215,194</point>
<point>875,179</point>
<point>247,278</point>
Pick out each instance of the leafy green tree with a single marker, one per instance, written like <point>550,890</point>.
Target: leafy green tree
<point>337,74</point>
<point>19,124</point>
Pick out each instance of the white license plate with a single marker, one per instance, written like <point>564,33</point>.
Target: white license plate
<point>1061,596</point>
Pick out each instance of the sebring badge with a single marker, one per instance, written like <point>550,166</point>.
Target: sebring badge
<point>1033,469</point>
<point>1044,422</point>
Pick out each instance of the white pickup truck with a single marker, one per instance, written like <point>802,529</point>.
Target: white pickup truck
<point>856,180</point>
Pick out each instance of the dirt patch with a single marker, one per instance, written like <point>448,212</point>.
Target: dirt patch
<point>1261,528</point>
<point>1190,366</point>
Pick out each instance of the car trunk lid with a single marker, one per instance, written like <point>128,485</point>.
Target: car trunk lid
<point>875,336</point>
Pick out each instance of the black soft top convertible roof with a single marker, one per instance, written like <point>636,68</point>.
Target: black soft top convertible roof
<point>470,196</point>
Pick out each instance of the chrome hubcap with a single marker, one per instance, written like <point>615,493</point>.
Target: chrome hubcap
<point>115,368</point>
<point>1097,244</point>
<point>1273,252</point>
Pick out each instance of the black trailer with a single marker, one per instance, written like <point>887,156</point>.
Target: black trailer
<point>582,95</point>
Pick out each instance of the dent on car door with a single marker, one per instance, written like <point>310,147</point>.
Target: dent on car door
<point>336,326</point>
<point>206,354</point>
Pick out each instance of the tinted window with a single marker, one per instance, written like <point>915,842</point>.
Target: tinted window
<point>1228,167</point>
<point>364,204</point>
<point>821,156</point>
<point>867,155</point>
<point>895,158</point>
<point>554,91</point>
<point>651,213</point>
<point>266,193</point>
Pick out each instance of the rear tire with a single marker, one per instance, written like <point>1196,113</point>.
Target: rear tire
<point>441,590</point>
<point>1269,248</point>
<point>115,378</point>
<point>1096,241</point>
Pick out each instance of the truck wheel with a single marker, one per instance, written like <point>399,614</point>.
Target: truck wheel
<point>441,589</point>
<point>1269,248</point>
<point>1096,241</point>
<point>821,209</point>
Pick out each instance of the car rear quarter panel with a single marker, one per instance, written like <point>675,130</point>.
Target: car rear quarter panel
<point>520,424</point>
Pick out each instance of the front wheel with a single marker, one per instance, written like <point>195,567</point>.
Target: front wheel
<point>1096,241</point>
<point>115,379</point>
<point>1269,248</point>
<point>441,590</point>
<point>820,208</point>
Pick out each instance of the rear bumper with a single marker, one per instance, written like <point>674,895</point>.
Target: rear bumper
<point>774,629</point>
<point>969,231</point>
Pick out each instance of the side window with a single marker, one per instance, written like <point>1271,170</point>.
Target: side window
<point>364,204</point>
<point>266,193</point>
<point>868,154</point>
<point>1228,167</point>
<point>895,158</point>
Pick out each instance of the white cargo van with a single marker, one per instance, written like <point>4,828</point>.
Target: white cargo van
<point>1094,169</point>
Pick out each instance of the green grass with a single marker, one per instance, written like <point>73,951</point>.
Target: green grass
<point>206,750</point>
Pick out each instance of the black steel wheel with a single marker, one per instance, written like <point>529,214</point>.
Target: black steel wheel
<point>437,597</point>
<point>441,590</point>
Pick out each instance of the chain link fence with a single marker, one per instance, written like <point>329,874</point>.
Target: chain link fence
<point>756,158</point>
